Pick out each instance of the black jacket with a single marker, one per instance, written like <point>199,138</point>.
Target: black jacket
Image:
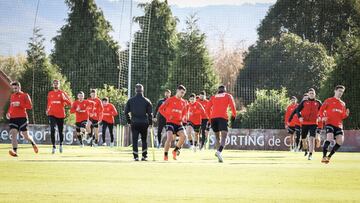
<point>161,101</point>
<point>140,109</point>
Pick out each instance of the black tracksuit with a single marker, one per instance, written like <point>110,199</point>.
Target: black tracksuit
<point>140,109</point>
<point>161,119</point>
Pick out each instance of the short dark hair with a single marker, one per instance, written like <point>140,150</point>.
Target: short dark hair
<point>305,94</point>
<point>167,90</point>
<point>181,87</point>
<point>339,87</point>
<point>139,88</point>
<point>15,83</point>
<point>105,99</point>
<point>202,93</point>
<point>92,90</point>
<point>221,89</point>
<point>81,92</point>
<point>311,90</point>
<point>192,95</point>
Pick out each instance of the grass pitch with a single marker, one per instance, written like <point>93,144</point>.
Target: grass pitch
<point>106,174</point>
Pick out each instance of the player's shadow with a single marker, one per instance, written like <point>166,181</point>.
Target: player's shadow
<point>256,157</point>
<point>79,161</point>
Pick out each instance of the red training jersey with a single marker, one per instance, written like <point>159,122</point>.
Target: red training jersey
<point>56,101</point>
<point>334,110</point>
<point>309,110</point>
<point>295,121</point>
<point>96,111</point>
<point>19,103</point>
<point>109,112</point>
<point>174,110</point>
<point>195,113</point>
<point>205,104</point>
<point>219,104</point>
<point>83,113</point>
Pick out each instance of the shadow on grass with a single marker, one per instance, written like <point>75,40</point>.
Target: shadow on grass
<point>157,162</point>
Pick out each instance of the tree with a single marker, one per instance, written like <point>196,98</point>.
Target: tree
<point>153,47</point>
<point>267,111</point>
<point>347,73</point>
<point>84,51</point>
<point>315,20</point>
<point>13,66</point>
<point>192,66</point>
<point>285,62</point>
<point>227,64</point>
<point>37,79</point>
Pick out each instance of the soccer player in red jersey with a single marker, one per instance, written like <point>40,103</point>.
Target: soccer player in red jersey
<point>205,124</point>
<point>195,113</point>
<point>95,115</point>
<point>109,112</point>
<point>160,118</point>
<point>298,137</point>
<point>174,109</point>
<point>333,112</point>
<point>81,109</point>
<point>218,113</point>
<point>20,102</point>
<point>307,112</point>
<point>293,126</point>
<point>56,102</point>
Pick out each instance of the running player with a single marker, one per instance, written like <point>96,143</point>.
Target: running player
<point>161,119</point>
<point>218,113</point>
<point>293,126</point>
<point>205,124</point>
<point>109,112</point>
<point>333,113</point>
<point>174,109</point>
<point>20,102</point>
<point>56,102</point>
<point>195,113</point>
<point>298,140</point>
<point>95,115</point>
<point>81,109</point>
<point>307,111</point>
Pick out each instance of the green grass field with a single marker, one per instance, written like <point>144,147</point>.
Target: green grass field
<point>109,175</point>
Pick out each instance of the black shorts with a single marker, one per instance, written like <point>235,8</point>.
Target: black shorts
<point>195,127</point>
<point>308,129</point>
<point>335,130</point>
<point>205,125</point>
<point>219,124</point>
<point>292,129</point>
<point>81,124</point>
<point>94,123</point>
<point>174,128</point>
<point>19,124</point>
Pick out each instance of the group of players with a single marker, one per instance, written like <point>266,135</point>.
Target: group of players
<point>197,114</point>
<point>179,117</point>
<point>310,117</point>
<point>88,112</point>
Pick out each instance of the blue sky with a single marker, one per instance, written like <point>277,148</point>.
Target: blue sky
<point>235,20</point>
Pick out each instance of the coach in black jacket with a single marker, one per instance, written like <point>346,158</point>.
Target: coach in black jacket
<point>138,111</point>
